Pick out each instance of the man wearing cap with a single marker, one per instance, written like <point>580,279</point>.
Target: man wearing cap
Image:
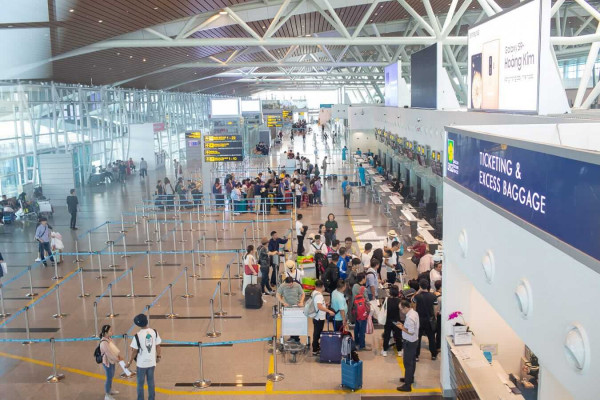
<point>436,273</point>
<point>392,237</point>
<point>42,235</point>
<point>146,353</point>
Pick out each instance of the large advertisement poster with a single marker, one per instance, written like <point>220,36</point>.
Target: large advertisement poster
<point>504,54</point>
<point>558,195</point>
<point>423,78</point>
<point>392,72</point>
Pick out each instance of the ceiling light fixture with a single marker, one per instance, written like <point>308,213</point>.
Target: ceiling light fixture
<point>156,8</point>
<point>144,60</point>
<point>223,12</point>
<point>71,10</point>
<point>100,21</point>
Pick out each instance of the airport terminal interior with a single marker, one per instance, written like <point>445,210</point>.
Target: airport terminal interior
<point>337,199</point>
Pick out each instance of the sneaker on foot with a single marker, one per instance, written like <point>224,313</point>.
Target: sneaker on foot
<point>400,354</point>
<point>108,397</point>
<point>384,353</point>
<point>433,358</point>
<point>404,388</point>
<point>114,392</point>
<point>417,359</point>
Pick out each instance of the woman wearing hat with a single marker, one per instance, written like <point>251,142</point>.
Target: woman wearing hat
<point>392,237</point>
<point>292,271</point>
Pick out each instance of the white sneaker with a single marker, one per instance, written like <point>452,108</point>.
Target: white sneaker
<point>400,353</point>
<point>108,397</point>
<point>384,353</point>
<point>114,392</point>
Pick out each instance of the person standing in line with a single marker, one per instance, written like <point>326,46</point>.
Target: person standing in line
<point>143,168</point>
<point>72,203</point>
<point>324,167</point>
<point>426,303</point>
<point>110,357</point>
<point>217,190</point>
<point>344,152</point>
<point>146,353</point>
<point>410,333</point>
<point>319,320</point>
<point>339,305</point>
<point>361,175</point>
<point>318,186</point>
<point>347,192</point>
<point>263,262</point>
<point>176,167</point>
<point>331,225</point>
<point>393,316</point>
<point>250,269</point>
<point>300,234</point>
<point>274,250</point>
<point>42,235</point>
<point>438,315</point>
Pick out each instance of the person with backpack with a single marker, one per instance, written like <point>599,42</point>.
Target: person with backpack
<point>109,356</point>
<point>342,264</point>
<point>360,310</point>
<point>347,192</point>
<point>316,309</point>
<point>372,283</point>
<point>263,261</point>
<point>146,353</point>
<point>392,316</point>
<point>332,274</point>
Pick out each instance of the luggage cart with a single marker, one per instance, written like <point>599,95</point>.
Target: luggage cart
<point>294,323</point>
<point>45,208</point>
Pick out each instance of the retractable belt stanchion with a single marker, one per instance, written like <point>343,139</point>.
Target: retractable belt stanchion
<point>110,302</point>
<point>96,331</point>
<point>171,314</point>
<point>148,240</point>
<point>31,292</point>
<point>149,276</point>
<point>125,256</point>
<point>214,333</point>
<point>122,225</point>
<point>187,294</point>
<point>59,313</point>
<point>275,376</point>
<point>27,332</point>
<point>181,225</point>
<point>112,255</point>
<point>4,313</point>
<point>160,261</point>
<point>132,294</point>
<point>220,313</point>
<point>77,259</point>
<point>216,233</point>
<point>201,383</point>
<point>55,377</point>
<point>107,233</point>
<point>83,294</point>
<point>99,266</point>
<point>229,292</point>
<point>204,255</point>
<point>56,276</point>
<point>90,251</point>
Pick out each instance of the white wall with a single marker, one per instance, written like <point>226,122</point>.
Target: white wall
<point>564,290</point>
<point>141,144</point>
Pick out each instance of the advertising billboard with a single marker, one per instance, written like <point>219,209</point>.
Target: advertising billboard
<point>224,107</point>
<point>250,106</point>
<point>423,78</point>
<point>503,71</point>
<point>392,73</point>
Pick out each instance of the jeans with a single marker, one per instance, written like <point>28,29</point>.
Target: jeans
<point>337,325</point>
<point>318,197</point>
<point>143,172</point>
<point>142,373</point>
<point>44,247</point>
<point>360,329</point>
<point>73,219</point>
<point>425,329</point>
<point>318,326</point>
<point>264,280</point>
<point>409,359</point>
<point>110,373</point>
<point>298,201</point>
<point>275,271</point>
<point>388,329</point>
<point>347,201</point>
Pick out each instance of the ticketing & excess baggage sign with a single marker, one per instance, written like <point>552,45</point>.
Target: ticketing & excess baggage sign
<point>554,189</point>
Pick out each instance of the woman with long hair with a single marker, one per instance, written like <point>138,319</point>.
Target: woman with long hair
<point>110,357</point>
<point>250,268</point>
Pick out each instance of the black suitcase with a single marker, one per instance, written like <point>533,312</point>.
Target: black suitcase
<point>331,347</point>
<point>253,296</point>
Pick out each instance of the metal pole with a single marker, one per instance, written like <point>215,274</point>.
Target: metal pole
<point>31,292</point>
<point>148,240</point>
<point>123,224</point>
<point>136,214</point>
<point>96,330</point>
<point>239,260</point>
<point>201,383</point>
<point>160,250</point>
<point>83,293</point>
<point>149,276</point>
<point>90,249</point>
<point>148,308</point>
<point>187,294</point>
<point>59,313</point>
<point>77,259</point>
<point>125,248</point>
<point>107,232</point>
<point>216,232</point>
<point>205,255</point>
<point>56,276</point>
<point>214,333</point>
<point>244,243</point>
<point>172,314</point>
<point>27,333</point>
<point>132,294</point>
<point>220,313</point>
<point>55,377</point>
<point>275,376</point>
<point>100,267</point>
<point>229,292</point>
<point>110,302</point>
<point>174,236</point>
<point>4,313</point>
<point>181,224</point>
<point>112,255</point>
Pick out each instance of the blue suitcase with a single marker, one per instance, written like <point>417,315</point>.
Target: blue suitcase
<point>331,347</point>
<point>352,374</point>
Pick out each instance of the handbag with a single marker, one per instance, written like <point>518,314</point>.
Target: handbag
<point>370,327</point>
<point>382,313</point>
<point>415,259</point>
<point>251,270</point>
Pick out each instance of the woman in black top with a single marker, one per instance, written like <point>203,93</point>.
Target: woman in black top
<point>378,255</point>
<point>393,315</point>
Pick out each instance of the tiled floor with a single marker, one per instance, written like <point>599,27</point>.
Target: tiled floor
<point>23,369</point>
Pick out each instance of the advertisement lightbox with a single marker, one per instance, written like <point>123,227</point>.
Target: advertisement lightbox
<point>392,72</point>
<point>504,54</point>
<point>250,106</point>
<point>224,107</point>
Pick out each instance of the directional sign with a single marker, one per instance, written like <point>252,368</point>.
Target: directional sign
<point>224,145</point>
<point>223,152</point>
<point>222,138</point>
<point>222,158</point>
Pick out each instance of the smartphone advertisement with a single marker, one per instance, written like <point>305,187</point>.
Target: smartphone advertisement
<point>503,56</point>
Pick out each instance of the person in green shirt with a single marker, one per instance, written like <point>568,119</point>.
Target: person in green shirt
<point>331,227</point>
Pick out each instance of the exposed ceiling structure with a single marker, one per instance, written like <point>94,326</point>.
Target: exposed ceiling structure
<point>237,47</point>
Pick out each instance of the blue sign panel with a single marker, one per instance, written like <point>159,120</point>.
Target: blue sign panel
<point>558,195</point>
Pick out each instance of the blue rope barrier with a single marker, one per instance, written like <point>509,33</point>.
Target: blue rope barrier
<point>166,341</point>
<point>123,275</point>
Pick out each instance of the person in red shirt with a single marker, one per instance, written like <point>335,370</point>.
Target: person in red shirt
<point>419,249</point>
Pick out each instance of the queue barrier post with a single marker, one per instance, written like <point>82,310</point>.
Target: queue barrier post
<point>172,314</point>
<point>31,292</point>
<point>216,232</point>
<point>220,313</point>
<point>27,331</point>
<point>202,382</point>
<point>112,255</point>
<point>90,249</point>
<point>77,260</point>
<point>214,333</point>
<point>148,308</point>
<point>275,376</point>
<point>229,292</point>
<point>181,226</point>
<point>239,273</point>
<point>107,233</point>
<point>187,294</point>
<point>4,314</point>
<point>96,330</point>
<point>160,261</point>
<point>56,277</point>
<point>149,275</point>
<point>125,256</point>
<point>122,224</point>
<point>132,294</point>
<point>99,266</point>
<point>59,314</point>
<point>55,377</point>
<point>110,302</point>
<point>83,294</point>
<point>204,255</point>
<point>148,240</point>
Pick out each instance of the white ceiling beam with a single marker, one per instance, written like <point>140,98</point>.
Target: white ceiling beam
<point>587,72</point>
<point>383,48</point>
<point>459,14</point>
<point>293,12</point>
<point>340,28</point>
<point>276,18</point>
<point>336,18</point>
<point>268,53</point>
<point>486,7</point>
<point>589,8</point>
<point>158,34</point>
<point>242,23</point>
<point>417,17</point>
<point>449,15</point>
<point>199,27</point>
<point>494,6</point>
<point>556,6</point>
<point>365,18</point>
<point>432,20</point>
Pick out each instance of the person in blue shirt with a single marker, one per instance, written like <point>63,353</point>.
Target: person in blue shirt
<point>339,305</point>
<point>344,151</point>
<point>358,152</point>
<point>274,247</point>
<point>341,262</point>
<point>42,235</point>
<point>379,169</point>
<point>346,191</point>
<point>361,174</point>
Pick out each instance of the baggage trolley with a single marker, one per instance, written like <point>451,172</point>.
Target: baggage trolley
<point>294,323</point>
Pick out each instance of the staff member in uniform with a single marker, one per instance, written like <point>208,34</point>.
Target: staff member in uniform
<point>410,338</point>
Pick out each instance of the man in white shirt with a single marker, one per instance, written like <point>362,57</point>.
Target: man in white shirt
<point>300,232</point>
<point>392,237</point>
<point>388,268</point>
<point>319,320</point>
<point>426,262</point>
<point>436,273</point>
<point>317,246</point>
<point>365,256</point>
<point>410,338</point>
<point>146,353</point>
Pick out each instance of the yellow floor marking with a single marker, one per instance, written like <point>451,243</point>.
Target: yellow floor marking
<point>33,300</point>
<point>210,392</point>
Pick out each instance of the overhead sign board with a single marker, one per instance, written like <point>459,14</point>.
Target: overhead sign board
<point>554,193</point>
<point>274,120</point>
<point>223,148</point>
<point>223,158</point>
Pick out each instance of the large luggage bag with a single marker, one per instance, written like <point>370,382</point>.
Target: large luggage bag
<point>331,347</point>
<point>352,374</point>
<point>253,296</point>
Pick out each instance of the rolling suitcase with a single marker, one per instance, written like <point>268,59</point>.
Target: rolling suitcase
<point>352,374</point>
<point>253,296</point>
<point>331,347</point>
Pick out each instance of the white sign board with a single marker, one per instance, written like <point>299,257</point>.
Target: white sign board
<point>224,107</point>
<point>504,60</point>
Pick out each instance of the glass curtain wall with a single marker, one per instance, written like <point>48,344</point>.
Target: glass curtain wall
<point>92,123</point>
